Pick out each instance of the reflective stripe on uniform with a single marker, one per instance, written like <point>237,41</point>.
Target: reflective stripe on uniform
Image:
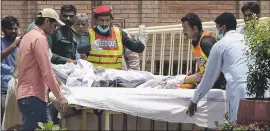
<point>111,55</point>
<point>199,55</point>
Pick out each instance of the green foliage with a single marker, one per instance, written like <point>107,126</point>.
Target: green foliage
<point>49,127</point>
<point>231,126</point>
<point>257,37</point>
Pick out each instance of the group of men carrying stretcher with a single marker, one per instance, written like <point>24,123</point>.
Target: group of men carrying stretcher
<point>107,45</point>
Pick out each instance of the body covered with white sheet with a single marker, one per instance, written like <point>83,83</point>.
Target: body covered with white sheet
<point>82,75</point>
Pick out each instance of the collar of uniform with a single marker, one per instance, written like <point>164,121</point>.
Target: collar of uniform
<point>72,28</point>
<point>40,30</point>
<point>195,42</point>
<point>230,31</point>
<point>65,27</point>
<point>103,34</point>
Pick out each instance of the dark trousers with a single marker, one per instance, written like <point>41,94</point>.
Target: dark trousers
<point>54,114</point>
<point>33,111</point>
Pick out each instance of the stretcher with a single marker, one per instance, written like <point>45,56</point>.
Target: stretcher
<point>169,104</point>
<point>85,110</point>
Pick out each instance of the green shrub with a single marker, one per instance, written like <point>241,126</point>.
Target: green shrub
<point>49,127</point>
<point>257,37</point>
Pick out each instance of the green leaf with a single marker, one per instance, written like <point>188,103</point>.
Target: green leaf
<point>41,125</point>
<point>49,125</point>
<point>55,128</point>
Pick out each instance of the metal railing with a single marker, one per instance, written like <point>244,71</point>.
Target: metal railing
<point>167,46</point>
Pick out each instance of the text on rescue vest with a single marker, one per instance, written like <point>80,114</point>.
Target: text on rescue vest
<point>108,44</point>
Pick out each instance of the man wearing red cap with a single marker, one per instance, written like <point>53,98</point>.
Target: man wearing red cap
<point>112,40</point>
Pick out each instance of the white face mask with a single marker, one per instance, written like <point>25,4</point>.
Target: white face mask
<point>218,35</point>
<point>103,30</point>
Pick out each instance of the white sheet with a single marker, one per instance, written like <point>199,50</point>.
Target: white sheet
<point>82,75</point>
<point>157,104</point>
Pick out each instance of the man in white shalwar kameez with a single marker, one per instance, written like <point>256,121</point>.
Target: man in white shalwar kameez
<point>227,56</point>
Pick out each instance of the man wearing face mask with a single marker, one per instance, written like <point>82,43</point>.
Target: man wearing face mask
<point>9,47</point>
<point>226,56</point>
<point>112,40</point>
<point>248,10</point>
<point>63,42</point>
<point>202,43</point>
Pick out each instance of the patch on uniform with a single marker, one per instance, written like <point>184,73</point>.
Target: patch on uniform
<point>200,60</point>
<point>108,44</point>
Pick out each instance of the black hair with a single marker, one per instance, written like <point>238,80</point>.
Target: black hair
<point>40,20</point>
<point>193,20</point>
<point>68,8</point>
<point>252,6</point>
<point>97,15</point>
<point>227,19</point>
<point>9,21</point>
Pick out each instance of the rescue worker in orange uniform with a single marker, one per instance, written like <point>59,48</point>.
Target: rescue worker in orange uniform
<point>111,39</point>
<point>202,43</point>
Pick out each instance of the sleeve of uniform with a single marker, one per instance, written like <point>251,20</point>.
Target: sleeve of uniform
<point>132,44</point>
<point>84,47</point>
<point>206,45</point>
<point>56,59</point>
<point>212,71</point>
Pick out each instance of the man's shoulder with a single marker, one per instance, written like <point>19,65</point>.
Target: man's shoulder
<point>208,41</point>
<point>58,30</point>
<point>241,28</point>
<point>3,39</point>
<point>35,34</point>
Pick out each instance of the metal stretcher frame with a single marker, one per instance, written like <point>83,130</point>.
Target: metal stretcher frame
<point>85,111</point>
<point>107,119</point>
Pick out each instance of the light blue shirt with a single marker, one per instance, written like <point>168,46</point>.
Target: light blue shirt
<point>227,56</point>
<point>7,65</point>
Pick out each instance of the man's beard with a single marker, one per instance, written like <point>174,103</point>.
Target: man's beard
<point>10,37</point>
<point>68,23</point>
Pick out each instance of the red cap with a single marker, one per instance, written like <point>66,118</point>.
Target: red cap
<point>103,10</point>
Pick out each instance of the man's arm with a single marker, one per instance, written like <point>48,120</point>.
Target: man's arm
<point>9,49</point>
<point>41,54</point>
<point>6,69</point>
<point>56,59</point>
<point>132,44</point>
<point>212,71</point>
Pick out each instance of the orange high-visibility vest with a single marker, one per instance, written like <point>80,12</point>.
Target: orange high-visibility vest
<point>199,55</point>
<point>111,55</point>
